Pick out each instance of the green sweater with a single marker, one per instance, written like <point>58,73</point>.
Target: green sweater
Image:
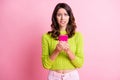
<point>62,62</point>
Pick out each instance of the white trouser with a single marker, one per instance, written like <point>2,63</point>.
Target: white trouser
<point>73,75</point>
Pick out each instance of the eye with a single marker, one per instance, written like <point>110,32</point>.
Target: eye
<point>66,14</point>
<point>58,14</point>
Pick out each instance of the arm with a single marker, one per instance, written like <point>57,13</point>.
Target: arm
<point>48,60</point>
<point>76,58</point>
<point>79,54</point>
<point>56,51</point>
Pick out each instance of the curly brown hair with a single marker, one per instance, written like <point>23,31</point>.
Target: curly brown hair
<point>71,26</point>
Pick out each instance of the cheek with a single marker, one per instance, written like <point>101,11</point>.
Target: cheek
<point>58,19</point>
<point>68,19</point>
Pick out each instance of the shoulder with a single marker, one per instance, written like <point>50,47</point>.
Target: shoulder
<point>45,35</point>
<point>78,34</point>
<point>79,37</point>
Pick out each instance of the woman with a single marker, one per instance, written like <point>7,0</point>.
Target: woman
<point>62,58</point>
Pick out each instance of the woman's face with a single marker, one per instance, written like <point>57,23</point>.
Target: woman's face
<point>62,18</point>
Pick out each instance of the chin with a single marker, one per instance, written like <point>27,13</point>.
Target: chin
<point>63,25</point>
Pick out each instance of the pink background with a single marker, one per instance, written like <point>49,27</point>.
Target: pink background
<point>22,22</point>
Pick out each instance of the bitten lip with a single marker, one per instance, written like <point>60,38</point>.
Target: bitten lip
<point>62,22</point>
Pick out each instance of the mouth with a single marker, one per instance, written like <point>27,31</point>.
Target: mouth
<point>62,22</point>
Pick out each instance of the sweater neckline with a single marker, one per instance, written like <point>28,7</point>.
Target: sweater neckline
<point>63,32</point>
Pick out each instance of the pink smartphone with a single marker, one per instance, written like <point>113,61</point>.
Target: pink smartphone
<point>63,37</point>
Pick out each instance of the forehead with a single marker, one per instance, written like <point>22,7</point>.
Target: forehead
<point>61,10</point>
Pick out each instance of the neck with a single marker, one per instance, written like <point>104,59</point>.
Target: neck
<point>62,28</point>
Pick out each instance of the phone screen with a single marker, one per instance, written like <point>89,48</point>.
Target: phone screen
<point>63,37</point>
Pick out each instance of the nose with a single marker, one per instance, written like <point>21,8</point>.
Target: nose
<point>62,17</point>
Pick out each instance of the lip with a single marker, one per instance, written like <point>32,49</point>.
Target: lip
<point>62,22</point>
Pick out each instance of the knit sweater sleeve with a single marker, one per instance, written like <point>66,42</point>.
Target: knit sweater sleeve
<point>79,56</point>
<point>46,61</point>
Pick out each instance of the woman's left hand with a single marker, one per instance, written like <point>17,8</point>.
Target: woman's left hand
<point>66,48</point>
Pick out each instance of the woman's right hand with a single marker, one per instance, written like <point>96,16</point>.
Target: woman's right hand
<point>59,47</point>
<point>57,50</point>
